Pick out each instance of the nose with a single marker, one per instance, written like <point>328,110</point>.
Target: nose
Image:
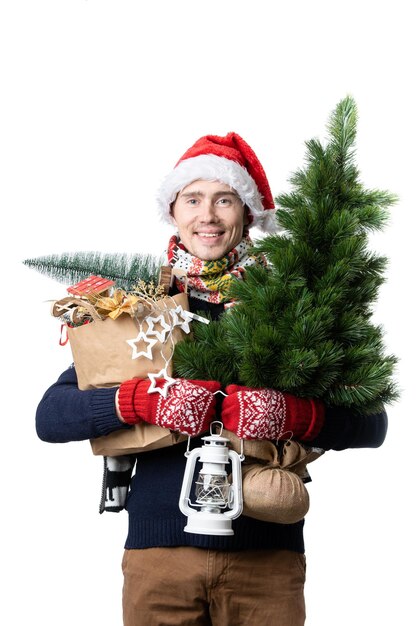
<point>208,211</point>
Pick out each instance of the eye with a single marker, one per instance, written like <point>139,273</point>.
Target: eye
<point>224,201</point>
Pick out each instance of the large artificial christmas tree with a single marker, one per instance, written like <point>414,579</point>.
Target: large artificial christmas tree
<point>305,325</point>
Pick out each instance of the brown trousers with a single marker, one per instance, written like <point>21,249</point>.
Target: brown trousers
<point>186,586</point>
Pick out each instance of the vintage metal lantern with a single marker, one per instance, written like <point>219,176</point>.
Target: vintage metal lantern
<point>218,500</point>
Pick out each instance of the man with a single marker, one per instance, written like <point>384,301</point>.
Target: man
<point>216,192</point>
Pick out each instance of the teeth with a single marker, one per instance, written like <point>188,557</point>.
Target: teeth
<point>208,234</point>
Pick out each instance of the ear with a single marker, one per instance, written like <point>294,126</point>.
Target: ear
<point>171,212</point>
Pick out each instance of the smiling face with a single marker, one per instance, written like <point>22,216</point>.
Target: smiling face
<point>210,218</point>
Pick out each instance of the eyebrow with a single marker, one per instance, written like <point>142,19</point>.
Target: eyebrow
<point>188,194</point>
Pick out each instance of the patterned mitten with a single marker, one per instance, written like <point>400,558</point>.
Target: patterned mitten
<point>269,414</point>
<point>188,408</point>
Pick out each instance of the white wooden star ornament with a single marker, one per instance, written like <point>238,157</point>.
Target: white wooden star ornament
<point>165,388</point>
<point>141,337</point>
<point>180,319</point>
<point>159,334</point>
<point>175,319</point>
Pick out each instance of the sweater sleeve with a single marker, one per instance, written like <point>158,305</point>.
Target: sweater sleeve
<point>67,414</point>
<point>343,429</point>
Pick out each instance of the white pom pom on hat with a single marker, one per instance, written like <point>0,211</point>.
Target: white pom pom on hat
<point>229,160</point>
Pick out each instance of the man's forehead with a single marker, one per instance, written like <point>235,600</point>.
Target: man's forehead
<point>203,187</point>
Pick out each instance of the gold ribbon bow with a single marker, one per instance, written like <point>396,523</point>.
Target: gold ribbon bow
<point>120,302</point>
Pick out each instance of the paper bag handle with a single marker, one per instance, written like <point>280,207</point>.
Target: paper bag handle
<point>167,273</point>
<point>60,306</point>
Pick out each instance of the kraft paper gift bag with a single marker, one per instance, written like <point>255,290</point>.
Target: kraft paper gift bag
<point>104,358</point>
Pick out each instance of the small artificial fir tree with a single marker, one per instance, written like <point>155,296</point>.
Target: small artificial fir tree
<point>125,269</point>
<point>305,325</point>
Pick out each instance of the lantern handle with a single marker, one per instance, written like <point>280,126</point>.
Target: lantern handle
<point>212,426</point>
<point>242,455</point>
<point>188,451</point>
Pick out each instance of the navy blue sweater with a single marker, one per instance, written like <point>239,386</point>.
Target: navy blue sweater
<point>67,414</point>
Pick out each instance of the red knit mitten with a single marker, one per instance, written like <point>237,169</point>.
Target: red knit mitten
<point>188,408</point>
<point>269,414</point>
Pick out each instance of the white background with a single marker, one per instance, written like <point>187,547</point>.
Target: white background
<point>99,99</point>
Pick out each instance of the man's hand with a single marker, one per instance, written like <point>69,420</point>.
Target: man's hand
<point>188,408</point>
<point>269,414</point>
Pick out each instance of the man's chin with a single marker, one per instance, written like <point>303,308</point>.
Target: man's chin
<point>209,252</point>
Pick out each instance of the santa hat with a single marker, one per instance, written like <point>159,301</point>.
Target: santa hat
<point>229,160</point>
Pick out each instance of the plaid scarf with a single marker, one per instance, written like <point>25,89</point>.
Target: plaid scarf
<point>211,280</point>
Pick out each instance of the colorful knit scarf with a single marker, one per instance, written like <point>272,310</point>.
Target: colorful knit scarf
<point>211,280</point>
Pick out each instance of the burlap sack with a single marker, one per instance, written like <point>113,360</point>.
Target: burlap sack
<point>272,494</point>
<point>273,487</point>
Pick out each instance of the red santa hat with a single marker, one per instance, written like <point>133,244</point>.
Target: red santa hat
<point>229,160</point>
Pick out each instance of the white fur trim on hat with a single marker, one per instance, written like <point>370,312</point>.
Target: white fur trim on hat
<point>212,167</point>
